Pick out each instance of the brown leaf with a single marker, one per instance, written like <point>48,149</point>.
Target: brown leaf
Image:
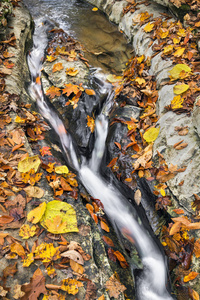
<point>181,146</point>
<point>35,288</point>
<point>91,291</point>
<point>178,211</point>
<point>76,267</point>
<point>10,270</point>
<point>197,248</point>
<point>53,92</point>
<point>108,241</point>
<point>104,226</point>
<point>175,228</point>
<point>114,286</point>
<point>118,145</point>
<point>5,220</point>
<point>74,255</point>
<point>121,259</point>
<point>91,123</point>
<point>65,185</point>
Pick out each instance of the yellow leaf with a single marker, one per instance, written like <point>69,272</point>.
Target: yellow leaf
<point>163,33</point>
<point>26,231</point>
<point>66,213</point>
<point>35,215</point>
<point>162,191</point>
<point>140,59</point>
<point>151,134</point>
<point>177,102</point>
<point>176,40</point>
<point>51,272</point>
<point>72,72</point>
<point>20,120</point>
<point>47,252</point>
<point>34,191</point>
<point>91,123</point>
<point>57,67</point>
<point>94,9</point>
<point>62,170</point>
<point>195,295</point>
<point>177,69</point>
<point>139,80</point>
<point>179,52</point>
<point>180,88</point>
<point>71,286</point>
<point>50,58</point>
<point>28,261</point>
<point>55,225</point>
<point>168,49</point>
<point>29,163</point>
<point>149,27</point>
<point>113,78</point>
<point>181,32</point>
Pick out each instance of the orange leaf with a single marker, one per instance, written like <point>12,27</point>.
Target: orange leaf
<point>91,123</point>
<point>90,92</point>
<point>108,241</point>
<point>178,211</point>
<point>45,151</point>
<point>71,88</point>
<point>89,207</point>
<point>104,226</point>
<point>72,72</point>
<point>121,259</point>
<point>197,248</point>
<point>118,145</point>
<point>175,228</point>
<point>190,276</point>
<point>65,186</point>
<point>94,217</point>
<point>5,220</point>
<point>57,67</point>
<point>17,147</point>
<point>53,91</point>
<point>113,162</point>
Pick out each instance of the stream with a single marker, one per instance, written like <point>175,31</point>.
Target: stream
<point>152,280</point>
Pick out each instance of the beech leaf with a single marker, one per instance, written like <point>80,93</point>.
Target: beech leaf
<point>151,134</point>
<point>180,88</point>
<point>29,163</point>
<point>35,215</point>
<point>177,69</point>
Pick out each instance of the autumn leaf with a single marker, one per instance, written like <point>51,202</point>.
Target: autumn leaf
<point>74,255</point>
<point>91,123</point>
<point>65,217</point>
<point>5,220</point>
<point>71,286</point>
<point>178,211</point>
<point>108,241</point>
<point>94,9</point>
<point>18,249</point>
<point>168,49</point>
<point>149,27</point>
<point>114,287</point>
<point>72,72</point>
<point>62,170</point>
<point>104,226</point>
<point>177,69</point>
<point>29,163</point>
<point>53,92</point>
<point>47,252</point>
<point>36,286</point>
<point>34,191</point>
<point>163,33</point>
<point>71,88</point>
<point>151,134</point>
<point>177,102</point>
<point>35,215</point>
<point>112,162</point>
<point>50,58</point>
<point>57,67</point>
<point>179,52</point>
<point>197,248</point>
<point>65,185</point>
<point>45,151</point>
<point>26,231</point>
<point>190,276</point>
<point>139,80</point>
<point>90,92</point>
<point>121,259</point>
<point>113,78</point>
<point>180,88</point>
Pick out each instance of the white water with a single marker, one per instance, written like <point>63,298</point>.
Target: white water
<point>152,283</point>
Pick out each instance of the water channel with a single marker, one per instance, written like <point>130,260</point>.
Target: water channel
<point>94,31</point>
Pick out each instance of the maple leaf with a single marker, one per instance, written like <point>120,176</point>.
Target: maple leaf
<point>71,88</point>
<point>36,286</point>
<point>149,27</point>
<point>57,67</point>
<point>114,286</point>
<point>26,231</point>
<point>28,260</point>
<point>50,58</point>
<point>47,252</point>
<point>71,285</point>
<point>45,151</point>
<point>53,92</point>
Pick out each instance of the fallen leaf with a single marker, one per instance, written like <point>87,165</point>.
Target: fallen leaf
<point>71,88</point>
<point>47,252</point>
<point>178,211</point>
<point>177,69</point>
<point>177,102</point>
<point>113,78</point>
<point>90,92</point>
<point>91,291</point>
<point>26,231</point>
<point>151,134</point>
<point>34,191</point>
<point>175,228</point>
<point>53,92</point>
<point>18,292</point>
<point>121,259</point>
<point>29,163</point>
<point>57,67</point>
<point>113,162</point>
<point>190,276</point>
<point>3,292</point>
<point>35,288</point>
<point>149,27</point>
<point>65,185</point>
<point>94,9</point>
<point>28,260</point>
<point>91,123</point>
<point>64,213</point>
<point>71,286</point>
<point>62,170</point>
<point>5,220</point>
<point>108,241</point>
<point>138,196</point>
<point>179,52</point>
<point>180,88</point>
<point>35,215</point>
<point>74,255</point>
<point>18,249</point>
<point>45,151</point>
<point>76,267</point>
<point>50,58</point>
<point>72,72</point>
<point>114,287</point>
<point>104,226</point>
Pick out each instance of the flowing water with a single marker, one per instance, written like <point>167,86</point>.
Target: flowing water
<point>151,283</point>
